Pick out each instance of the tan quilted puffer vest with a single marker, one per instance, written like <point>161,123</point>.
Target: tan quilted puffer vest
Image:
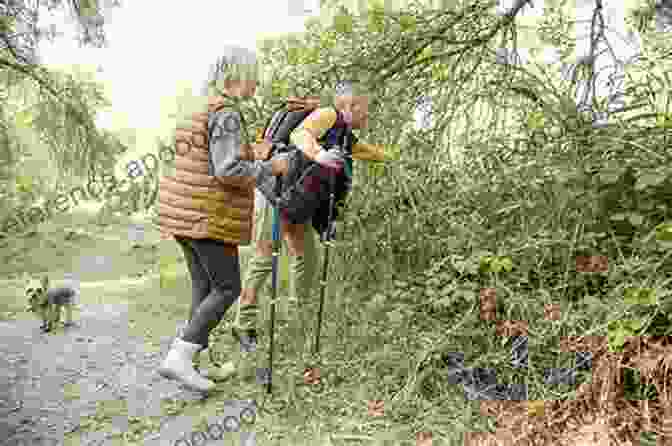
<point>192,203</point>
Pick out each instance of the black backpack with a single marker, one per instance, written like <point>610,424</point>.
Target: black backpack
<point>304,193</point>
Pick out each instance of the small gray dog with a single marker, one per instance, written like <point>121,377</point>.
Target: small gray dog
<point>47,304</point>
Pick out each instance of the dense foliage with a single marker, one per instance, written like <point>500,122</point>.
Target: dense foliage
<point>511,167</point>
<point>47,128</point>
<point>509,183</point>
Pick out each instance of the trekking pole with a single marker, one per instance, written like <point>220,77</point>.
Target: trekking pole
<point>326,240</point>
<point>274,279</point>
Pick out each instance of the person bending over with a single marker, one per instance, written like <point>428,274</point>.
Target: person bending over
<point>352,102</point>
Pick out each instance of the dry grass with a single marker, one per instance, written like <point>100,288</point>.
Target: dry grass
<point>599,416</point>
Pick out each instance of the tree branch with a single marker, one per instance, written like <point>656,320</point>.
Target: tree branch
<point>469,44</point>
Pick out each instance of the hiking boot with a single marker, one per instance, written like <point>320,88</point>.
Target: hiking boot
<point>179,366</point>
<point>244,329</point>
<point>178,335</point>
<point>247,339</point>
<point>205,365</point>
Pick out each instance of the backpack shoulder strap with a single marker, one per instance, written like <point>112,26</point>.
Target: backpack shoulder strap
<point>274,121</point>
<point>291,121</point>
<point>288,117</point>
<point>341,132</point>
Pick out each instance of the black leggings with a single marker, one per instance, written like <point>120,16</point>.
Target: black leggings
<point>215,281</point>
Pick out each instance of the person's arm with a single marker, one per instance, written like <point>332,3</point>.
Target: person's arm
<point>362,151</point>
<point>225,150</point>
<point>313,128</point>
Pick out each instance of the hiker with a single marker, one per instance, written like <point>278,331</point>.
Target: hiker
<point>207,205</point>
<point>353,104</point>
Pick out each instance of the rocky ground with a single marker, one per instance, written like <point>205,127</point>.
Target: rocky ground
<point>98,358</point>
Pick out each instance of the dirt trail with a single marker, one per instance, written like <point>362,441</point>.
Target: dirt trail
<point>104,363</point>
<point>51,384</point>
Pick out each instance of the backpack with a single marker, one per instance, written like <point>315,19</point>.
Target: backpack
<point>304,192</point>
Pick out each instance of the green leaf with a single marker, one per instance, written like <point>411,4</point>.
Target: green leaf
<point>647,296</point>
<point>376,5</point>
<point>618,217</point>
<point>24,183</point>
<point>280,88</point>
<point>376,23</point>
<point>24,118</point>
<point>343,22</point>
<point>664,232</point>
<point>407,22</point>
<point>436,72</point>
<point>662,120</point>
<point>633,325</point>
<point>631,296</point>
<point>7,24</point>
<point>293,55</point>
<point>376,170</point>
<point>327,40</point>
<point>613,326</point>
<point>536,121</point>
<point>618,330</point>
<point>616,340</point>
<point>640,296</point>
<point>426,53</point>
<point>485,263</point>
<point>170,275</point>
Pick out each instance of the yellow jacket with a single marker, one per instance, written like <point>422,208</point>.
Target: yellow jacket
<point>317,124</point>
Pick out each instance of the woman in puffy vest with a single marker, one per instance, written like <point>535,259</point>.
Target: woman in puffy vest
<point>207,204</point>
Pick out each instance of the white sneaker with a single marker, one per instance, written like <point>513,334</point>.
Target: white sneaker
<point>179,366</point>
<point>179,334</point>
<point>180,330</point>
